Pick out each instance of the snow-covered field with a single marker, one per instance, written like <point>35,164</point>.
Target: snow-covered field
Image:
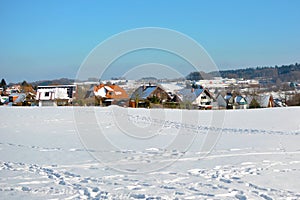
<point>118,153</point>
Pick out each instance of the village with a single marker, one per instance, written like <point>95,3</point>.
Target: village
<point>217,93</point>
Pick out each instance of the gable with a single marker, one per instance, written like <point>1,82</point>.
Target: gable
<point>265,101</point>
<point>240,100</point>
<point>100,92</point>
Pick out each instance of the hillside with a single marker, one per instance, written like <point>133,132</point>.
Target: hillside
<point>62,81</point>
<point>283,73</point>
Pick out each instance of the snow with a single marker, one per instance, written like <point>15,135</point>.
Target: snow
<point>171,87</point>
<point>125,153</point>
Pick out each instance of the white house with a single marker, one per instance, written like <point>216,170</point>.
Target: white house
<point>56,95</point>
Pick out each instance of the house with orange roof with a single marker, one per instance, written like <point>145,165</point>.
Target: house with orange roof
<point>106,94</point>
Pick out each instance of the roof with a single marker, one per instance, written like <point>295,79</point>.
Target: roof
<point>189,94</point>
<point>249,99</point>
<point>143,92</point>
<point>279,103</point>
<point>110,91</point>
<point>264,100</point>
<point>240,100</point>
<point>109,88</point>
<point>21,98</point>
<point>146,93</point>
<point>169,87</point>
<point>227,96</point>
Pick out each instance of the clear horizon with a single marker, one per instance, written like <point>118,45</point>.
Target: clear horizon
<point>43,40</point>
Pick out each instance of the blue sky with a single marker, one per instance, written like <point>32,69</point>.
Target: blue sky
<point>51,38</point>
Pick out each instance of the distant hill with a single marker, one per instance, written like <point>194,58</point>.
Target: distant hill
<point>201,76</point>
<point>62,81</point>
<point>283,73</point>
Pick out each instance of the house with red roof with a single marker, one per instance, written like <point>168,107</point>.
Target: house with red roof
<point>106,94</point>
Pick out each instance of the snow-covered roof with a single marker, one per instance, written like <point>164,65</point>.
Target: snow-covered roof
<point>171,87</point>
<point>249,99</point>
<point>263,100</point>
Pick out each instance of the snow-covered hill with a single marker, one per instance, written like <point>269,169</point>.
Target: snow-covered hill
<point>124,153</point>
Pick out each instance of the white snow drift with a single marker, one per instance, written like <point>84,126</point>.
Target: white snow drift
<point>123,153</point>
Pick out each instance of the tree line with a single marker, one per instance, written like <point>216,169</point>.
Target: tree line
<point>284,73</point>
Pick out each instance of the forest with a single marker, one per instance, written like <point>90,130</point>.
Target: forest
<point>284,73</point>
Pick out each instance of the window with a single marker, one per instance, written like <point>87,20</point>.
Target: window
<point>70,92</point>
<point>47,94</point>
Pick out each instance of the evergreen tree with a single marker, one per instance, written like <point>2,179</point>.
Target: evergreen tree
<point>3,83</point>
<point>24,83</point>
<point>254,104</point>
